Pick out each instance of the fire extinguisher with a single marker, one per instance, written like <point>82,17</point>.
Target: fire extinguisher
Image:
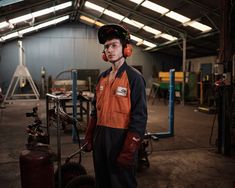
<point>36,167</point>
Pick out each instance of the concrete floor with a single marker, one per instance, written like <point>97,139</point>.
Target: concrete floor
<point>186,160</point>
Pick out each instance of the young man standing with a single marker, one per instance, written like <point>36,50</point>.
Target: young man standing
<point>119,116</point>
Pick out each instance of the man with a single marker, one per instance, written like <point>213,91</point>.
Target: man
<point>119,116</point>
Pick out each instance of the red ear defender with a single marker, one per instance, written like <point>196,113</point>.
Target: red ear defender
<point>127,52</point>
<point>104,57</point>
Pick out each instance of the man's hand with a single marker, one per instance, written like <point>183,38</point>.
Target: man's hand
<point>89,135</point>
<point>126,158</point>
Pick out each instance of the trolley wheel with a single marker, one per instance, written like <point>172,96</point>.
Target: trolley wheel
<point>69,171</point>
<point>83,181</point>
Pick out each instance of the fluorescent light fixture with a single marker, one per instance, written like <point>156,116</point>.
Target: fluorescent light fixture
<point>139,43</point>
<point>166,36</point>
<point>113,14</point>
<point>94,6</point>
<point>151,30</point>
<point>21,18</point>
<point>27,30</point>
<point>133,23</point>
<point>91,21</point>
<point>199,26</point>
<point>146,43</point>
<point>177,17</point>
<point>63,5</point>
<point>52,22</point>
<point>4,24</point>
<point>43,12</point>
<point>12,35</point>
<point>30,29</point>
<point>155,7</point>
<point>137,39</point>
<point>40,13</point>
<point>136,1</point>
<point>87,19</point>
<point>99,24</point>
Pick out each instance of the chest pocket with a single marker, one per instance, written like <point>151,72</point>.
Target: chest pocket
<point>121,104</point>
<point>122,99</point>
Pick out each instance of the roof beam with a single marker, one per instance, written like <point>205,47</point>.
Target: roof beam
<point>148,18</point>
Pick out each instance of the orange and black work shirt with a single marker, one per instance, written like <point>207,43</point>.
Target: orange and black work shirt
<point>121,103</point>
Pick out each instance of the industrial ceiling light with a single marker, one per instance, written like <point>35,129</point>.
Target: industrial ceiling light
<point>94,6</point>
<point>92,21</point>
<point>43,12</point>
<point>173,15</point>
<point>137,1</point>
<point>155,7</point>
<point>151,30</point>
<point>113,14</point>
<point>12,35</point>
<point>52,22</point>
<point>36,14</point>
<point>133,23</point>
<point>21,18</point>
<point>30,29</point>
<point>4,24</point>
<point>63,5</point>
<point>178,17</point>
<point>166,36</point>
<point>137,39</point>
<point>149,44</point>
<point>199,26</point>
<point>27,30</point>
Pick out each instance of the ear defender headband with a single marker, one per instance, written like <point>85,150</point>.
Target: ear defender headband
<point>117,31</point>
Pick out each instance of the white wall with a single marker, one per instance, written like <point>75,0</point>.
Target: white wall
<point>196,62</point>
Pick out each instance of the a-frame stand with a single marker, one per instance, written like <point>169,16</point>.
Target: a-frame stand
<point>20,77</point>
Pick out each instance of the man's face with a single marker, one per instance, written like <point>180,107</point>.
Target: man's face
<point>113,49</point>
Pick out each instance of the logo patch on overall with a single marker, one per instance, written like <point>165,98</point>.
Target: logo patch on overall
<point>121,91</point>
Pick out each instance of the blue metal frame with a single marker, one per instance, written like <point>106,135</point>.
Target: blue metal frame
<point>169,133</point>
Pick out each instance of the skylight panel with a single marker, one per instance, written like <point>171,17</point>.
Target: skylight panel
<point>43,12</point>
<point>21,18</point>
<point>52,22</point>
<point>136,1</point>
<point>113,14</point>
<point>63,5</point>
<point>199,26</point>
<point>4,24</point>
<point>168,37</point>
<point>137,39</point>
<point>177,17</point>
<point>12,35</point>
<point>94,6</point>
<point>155,7</point>
<point>30,29</point>
<point>151,30</point>
<point>149,44</point>
<point>133,23</point>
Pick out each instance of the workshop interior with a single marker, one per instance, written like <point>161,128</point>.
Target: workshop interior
<point>50,60</point>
